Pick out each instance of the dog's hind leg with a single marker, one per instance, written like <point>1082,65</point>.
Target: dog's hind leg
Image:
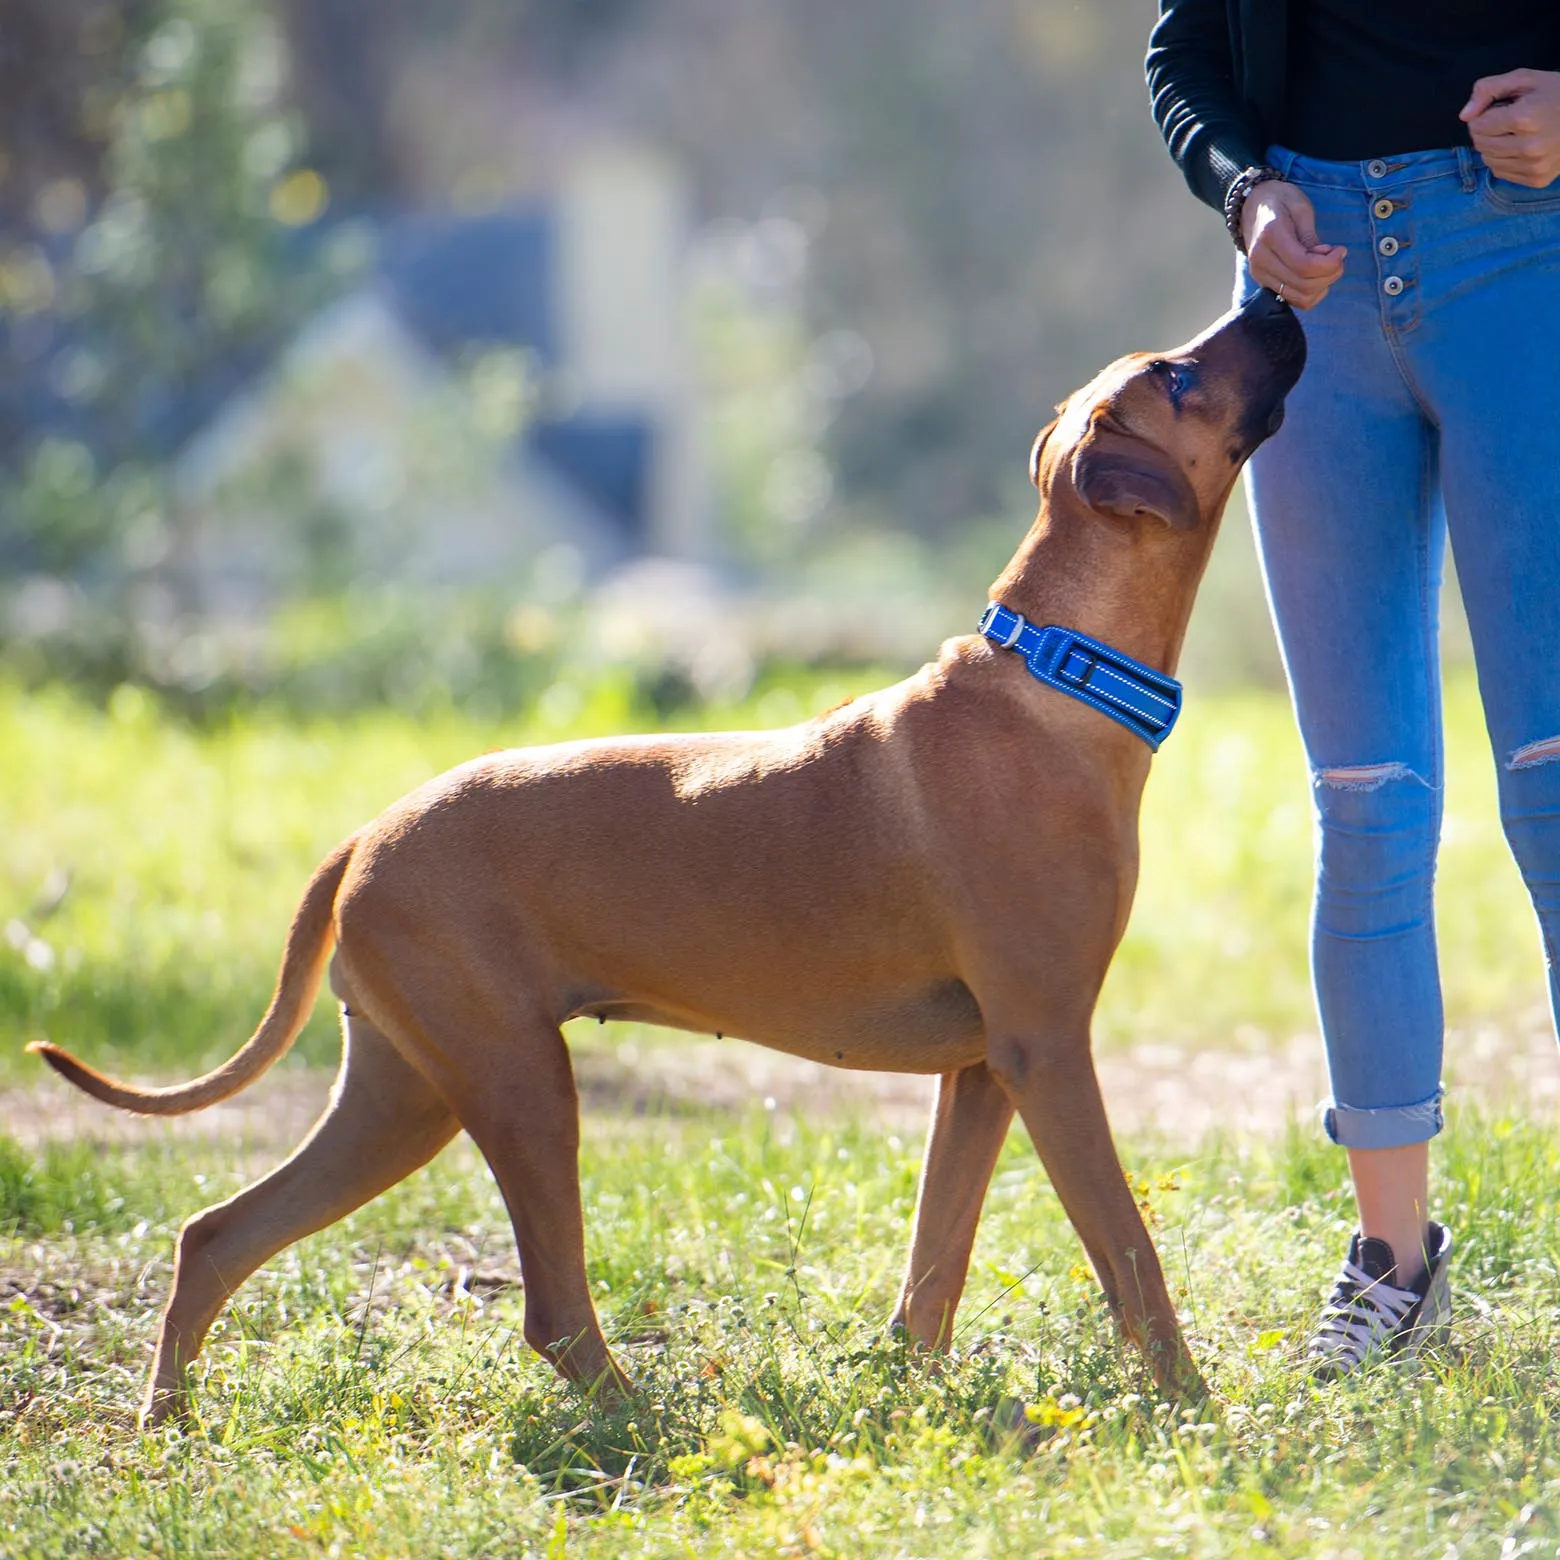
<point>522,1109</point>
<point>383,1121</point>
<point>969,1122</point>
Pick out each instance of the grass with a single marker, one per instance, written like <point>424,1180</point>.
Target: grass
<point>369,1393</point>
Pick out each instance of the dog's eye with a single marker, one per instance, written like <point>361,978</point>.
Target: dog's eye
<point>1176,379</point>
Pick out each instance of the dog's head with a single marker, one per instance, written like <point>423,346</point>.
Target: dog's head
<point>1162,437</point>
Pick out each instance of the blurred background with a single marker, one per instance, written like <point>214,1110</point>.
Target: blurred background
<point>382,383</point>
<point>490,352</point>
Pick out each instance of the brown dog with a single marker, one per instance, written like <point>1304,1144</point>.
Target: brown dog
<point>930,879</point>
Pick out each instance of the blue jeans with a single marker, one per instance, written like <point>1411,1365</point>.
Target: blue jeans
<point>1430,403</point>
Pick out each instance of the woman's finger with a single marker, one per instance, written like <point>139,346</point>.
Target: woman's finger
<point>1488,90</point>
<point>1304,292</point>
<point>1532,168</point>
<point>1305,277</point>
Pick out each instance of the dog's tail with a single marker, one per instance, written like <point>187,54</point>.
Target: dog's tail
<point>309,941</point>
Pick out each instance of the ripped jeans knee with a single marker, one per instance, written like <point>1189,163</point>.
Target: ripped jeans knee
<point>1533,755</point>
<point>1379,824</point>
<point>1362,777</point>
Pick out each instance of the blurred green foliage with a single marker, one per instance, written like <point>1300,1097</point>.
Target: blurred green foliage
<point>157,270</point>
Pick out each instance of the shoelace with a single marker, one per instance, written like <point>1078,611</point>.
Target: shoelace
<point>1359,1313</point>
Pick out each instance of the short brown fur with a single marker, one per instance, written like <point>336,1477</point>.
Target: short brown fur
<point>929,879</point>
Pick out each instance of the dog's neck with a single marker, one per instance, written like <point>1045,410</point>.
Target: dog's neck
<point>1088,574</point>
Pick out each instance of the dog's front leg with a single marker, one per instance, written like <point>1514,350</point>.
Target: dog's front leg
<point>1050,1078</point>
<point>969,1122</point>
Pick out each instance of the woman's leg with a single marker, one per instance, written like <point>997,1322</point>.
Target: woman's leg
<point>1489,358</point>
<point>1392,1192</point>
<point>1349,529</point>
<point>1351,533</point>
<point>1353,561</point>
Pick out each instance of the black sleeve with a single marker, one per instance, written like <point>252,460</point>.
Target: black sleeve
<point>1211,133</point>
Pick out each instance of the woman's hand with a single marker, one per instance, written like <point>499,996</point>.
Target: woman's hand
<point>1282,249</point>
<point>1515,124</point>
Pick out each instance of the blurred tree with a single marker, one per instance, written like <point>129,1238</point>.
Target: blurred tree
<point>154,259</point>
<point>60,68</point>
<point>351,56</point>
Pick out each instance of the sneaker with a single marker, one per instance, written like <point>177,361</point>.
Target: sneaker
<point>1368,1314</point>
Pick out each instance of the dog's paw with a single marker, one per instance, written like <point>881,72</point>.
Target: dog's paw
<point>164,1406</point>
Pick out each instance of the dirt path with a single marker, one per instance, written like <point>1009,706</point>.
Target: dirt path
<point>1253,1090</point>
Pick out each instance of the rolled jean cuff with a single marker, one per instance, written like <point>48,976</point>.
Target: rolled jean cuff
<point>1392,1126</point>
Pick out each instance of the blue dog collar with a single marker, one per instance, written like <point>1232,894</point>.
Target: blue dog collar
<point>1136,696</point>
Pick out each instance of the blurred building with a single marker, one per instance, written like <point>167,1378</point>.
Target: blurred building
<point>502,383</point>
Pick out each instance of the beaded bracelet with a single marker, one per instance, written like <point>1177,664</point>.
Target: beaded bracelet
<point>1235,199</point>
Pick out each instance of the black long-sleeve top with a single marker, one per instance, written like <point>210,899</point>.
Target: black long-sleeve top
<point>1339,79</point>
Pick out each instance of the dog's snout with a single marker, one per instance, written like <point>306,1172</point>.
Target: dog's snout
<point>1263,321</point>
<point>1263,303</point>
<point>1277,332</point>
<point>1260,348</point>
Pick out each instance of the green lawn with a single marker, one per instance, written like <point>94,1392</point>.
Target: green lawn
<point>370,1395</point>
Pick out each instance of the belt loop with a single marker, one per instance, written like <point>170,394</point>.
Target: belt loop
<point>1467,170</point>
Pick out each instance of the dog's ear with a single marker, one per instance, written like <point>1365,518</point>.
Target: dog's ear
<point>1127,478</point>
<point>1037,448</point>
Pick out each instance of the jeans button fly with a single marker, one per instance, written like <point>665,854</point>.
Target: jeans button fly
<point>1392,286</point>
<point>1376,168</point>
<point>1388,246</point>
<point>1383,207</point>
